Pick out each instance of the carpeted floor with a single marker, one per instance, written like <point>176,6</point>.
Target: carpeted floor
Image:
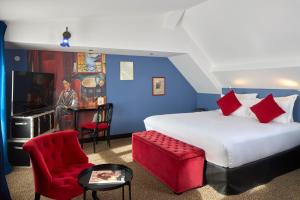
<point>146,187</point>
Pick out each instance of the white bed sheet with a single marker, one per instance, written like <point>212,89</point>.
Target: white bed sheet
<point>227,141</point>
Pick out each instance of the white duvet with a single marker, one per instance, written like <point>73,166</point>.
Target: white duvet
<point>227,141</point>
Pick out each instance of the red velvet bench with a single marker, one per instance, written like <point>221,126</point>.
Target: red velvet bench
<point>178,165</point>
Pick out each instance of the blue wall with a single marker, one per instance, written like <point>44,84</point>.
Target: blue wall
<point>207,101</point>
<point>133,100</point>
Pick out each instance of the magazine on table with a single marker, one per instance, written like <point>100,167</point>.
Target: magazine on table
<point>107,177</point>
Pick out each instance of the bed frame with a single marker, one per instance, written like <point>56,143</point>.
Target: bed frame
<point>236,180</point>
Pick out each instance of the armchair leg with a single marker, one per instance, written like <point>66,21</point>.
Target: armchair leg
<point>37,196</point>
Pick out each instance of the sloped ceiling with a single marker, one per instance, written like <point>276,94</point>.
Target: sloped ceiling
<point>213,43</point>
<point>250,43</point>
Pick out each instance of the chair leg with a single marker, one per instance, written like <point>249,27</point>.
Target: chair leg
<point>108,137</point>
<point>94,143</point>
<point>97,138</point>
<point>94,195</point>
<point>37,196</point>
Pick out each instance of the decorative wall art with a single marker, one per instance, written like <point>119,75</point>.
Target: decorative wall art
<point>158,86</point>
<point>81,73</point>
<point>126,70</point>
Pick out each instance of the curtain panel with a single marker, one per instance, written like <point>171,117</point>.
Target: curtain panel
<point>4,165</point>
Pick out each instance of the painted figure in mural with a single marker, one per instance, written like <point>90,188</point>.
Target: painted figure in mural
<point>100,81</point>
<point>67,99</point>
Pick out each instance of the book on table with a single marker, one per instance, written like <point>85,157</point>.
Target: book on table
<point>107,177</point>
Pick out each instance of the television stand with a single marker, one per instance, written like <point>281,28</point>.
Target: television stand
<point>24,127</point>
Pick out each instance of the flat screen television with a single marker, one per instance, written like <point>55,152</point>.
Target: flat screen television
<point>31,91</point>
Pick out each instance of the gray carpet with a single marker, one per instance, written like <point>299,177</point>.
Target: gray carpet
<point>146,187</point>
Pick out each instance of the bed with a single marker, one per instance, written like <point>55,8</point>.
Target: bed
<point>240,152</point>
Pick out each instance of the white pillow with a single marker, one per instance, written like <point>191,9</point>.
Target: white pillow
<point>244,110</point>
<point>287,104</point>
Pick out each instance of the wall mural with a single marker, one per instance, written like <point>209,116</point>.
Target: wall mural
<point>79,80</point>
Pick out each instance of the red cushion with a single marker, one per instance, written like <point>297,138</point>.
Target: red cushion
<point>92,125</point>
<point>267,109</point>
<point>229,103</point>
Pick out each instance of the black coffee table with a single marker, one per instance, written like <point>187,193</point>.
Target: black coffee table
<point>84,177</point>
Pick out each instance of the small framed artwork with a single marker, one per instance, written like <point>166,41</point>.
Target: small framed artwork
<point>126,70</point>
<point>158,86</point>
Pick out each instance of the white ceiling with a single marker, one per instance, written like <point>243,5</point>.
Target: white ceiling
<point>89,9</point>
<point>213,43</point>
<point>239,32</point>
<point>249,43</point>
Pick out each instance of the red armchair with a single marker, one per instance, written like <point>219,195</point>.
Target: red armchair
<point>57,160</point>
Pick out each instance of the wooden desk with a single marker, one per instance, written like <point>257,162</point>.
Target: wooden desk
<point>77,110</point>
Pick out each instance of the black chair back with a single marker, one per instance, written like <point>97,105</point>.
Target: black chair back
<point>105,111</point>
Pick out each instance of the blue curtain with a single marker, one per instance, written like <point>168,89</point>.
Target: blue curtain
<point>4,165</point>
<point>3,124</point>
<point>4,192</point>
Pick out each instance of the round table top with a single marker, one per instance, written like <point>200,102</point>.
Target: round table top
<point>84,177</point>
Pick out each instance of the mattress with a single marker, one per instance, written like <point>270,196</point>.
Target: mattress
<point>228,141</point>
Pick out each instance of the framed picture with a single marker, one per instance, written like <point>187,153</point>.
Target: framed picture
<point>158,86</point>
<point>126,70</point>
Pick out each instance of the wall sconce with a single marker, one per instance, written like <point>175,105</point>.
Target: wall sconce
<point>66,37</point>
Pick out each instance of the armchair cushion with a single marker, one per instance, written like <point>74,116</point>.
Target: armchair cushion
<point>65,179</point>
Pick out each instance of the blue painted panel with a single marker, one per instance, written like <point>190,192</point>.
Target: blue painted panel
<point>276,92</point>
<point>207,101</point>
<point>133,100</point>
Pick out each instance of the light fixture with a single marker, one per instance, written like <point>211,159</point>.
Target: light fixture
<point>240,82</point>
<point>66,37</point>
<point>288,83</point>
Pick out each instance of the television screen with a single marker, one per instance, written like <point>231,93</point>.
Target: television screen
<point>31,91</point>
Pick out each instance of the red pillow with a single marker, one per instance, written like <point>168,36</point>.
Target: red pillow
<point>229,103</point>
<point>267,109</point>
